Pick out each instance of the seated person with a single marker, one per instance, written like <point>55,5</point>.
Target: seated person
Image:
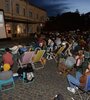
<point>79,80</point>
<point>15,49</point>
<point>79,59</point>
<point>6,73</point>
<point>50,44</point>
<point>6,67</point>
<point>22,50</point>
<point>7,57</point>
<point>58,41</point>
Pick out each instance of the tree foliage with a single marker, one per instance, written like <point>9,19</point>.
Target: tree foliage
<point>68,22</point>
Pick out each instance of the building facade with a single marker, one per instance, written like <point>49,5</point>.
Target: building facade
<point>22,18</point>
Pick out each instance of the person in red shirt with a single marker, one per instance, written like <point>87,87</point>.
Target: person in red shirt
<point>7,57</point>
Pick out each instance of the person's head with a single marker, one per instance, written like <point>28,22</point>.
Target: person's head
<point>80,52</point>
<point>6,67</point>
<point>41,44</point>
<point>7,49</point>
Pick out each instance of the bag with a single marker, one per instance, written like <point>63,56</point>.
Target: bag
<point>29,68</point>
<point>26,69</point>
<point>28,76</point>
<point>28,73</point>
<point>20,71</point>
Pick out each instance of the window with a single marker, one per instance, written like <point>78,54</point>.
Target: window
<point>37,16</point>
<point>24,12</point>
<point>30,14</point>
<point>7,5</point>
<point>42,18</point>
<point>17,8</point>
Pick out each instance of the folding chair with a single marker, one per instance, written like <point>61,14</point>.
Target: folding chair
<point>26,58</point>
<point>85,90</point>
<point>37,58</point>
<point>5,83</point>
<point>58,52</point>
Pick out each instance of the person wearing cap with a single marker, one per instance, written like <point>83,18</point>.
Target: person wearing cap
<point>6,73</point>
<point>7,57</point>
<point>6,67</point>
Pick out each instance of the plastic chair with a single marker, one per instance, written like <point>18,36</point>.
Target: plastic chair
<point>5,83</point>
<point>37,58</point>
<point>58,52</point>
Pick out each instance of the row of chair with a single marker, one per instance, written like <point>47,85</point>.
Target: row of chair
<point>31,57</point>
<point>28,57</point>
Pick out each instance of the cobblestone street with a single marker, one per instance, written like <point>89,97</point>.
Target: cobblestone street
<point>46,85</point>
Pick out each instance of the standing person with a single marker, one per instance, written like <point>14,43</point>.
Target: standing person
<point>7,57</point>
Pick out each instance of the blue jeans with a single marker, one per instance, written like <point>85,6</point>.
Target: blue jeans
<point>74,80</point>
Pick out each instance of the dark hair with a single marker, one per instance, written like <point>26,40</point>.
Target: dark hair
<point>7,49</point>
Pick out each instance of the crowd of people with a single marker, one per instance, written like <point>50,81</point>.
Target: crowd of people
<point>74,55</point>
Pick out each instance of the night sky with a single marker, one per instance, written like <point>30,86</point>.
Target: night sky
<point>54,7</point>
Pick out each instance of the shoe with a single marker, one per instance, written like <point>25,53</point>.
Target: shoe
<point>76,88</point>
<point>71,89</point>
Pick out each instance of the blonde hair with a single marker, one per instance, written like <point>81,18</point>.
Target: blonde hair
<point>6,67</point>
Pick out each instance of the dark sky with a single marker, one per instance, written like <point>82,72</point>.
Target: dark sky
<point>54,7</point>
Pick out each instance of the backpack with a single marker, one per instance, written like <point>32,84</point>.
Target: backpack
<point>28,74</point>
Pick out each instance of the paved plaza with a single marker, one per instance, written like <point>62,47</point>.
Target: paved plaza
<point>46,85</point>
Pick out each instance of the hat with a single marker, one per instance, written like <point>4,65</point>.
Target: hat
<point>6,67</point>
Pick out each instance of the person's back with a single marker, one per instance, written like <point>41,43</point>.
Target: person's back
<point>7,58</point>
<point>4,75</point>
<point>70,62</point>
